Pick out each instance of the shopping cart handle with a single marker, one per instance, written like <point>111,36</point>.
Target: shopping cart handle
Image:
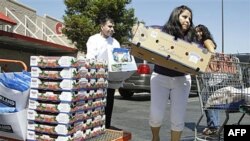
<point>15,61</point>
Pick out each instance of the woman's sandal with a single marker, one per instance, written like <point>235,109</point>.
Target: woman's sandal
<point>209,131</point>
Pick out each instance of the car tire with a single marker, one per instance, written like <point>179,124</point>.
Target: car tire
<point>126,94</point>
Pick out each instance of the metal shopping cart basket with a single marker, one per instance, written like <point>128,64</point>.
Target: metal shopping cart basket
<point>222,87</point>
<point>245,108</point>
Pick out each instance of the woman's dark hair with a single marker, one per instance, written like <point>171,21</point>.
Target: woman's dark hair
<point>173,25</point>
<point>205,33</point>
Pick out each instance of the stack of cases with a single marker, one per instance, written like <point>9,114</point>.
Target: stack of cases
<point>67,98</point>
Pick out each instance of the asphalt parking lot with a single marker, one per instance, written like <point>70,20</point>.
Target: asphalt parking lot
<point>132,115</point>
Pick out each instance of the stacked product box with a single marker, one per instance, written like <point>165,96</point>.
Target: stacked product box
<point>67,98</point>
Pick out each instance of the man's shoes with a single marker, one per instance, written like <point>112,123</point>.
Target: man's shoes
<point>114,128</point>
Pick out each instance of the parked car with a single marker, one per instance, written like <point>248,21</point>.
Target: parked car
<point>140,81</point>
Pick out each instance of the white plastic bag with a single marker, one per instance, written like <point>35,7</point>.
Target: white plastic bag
<point>11,97</point>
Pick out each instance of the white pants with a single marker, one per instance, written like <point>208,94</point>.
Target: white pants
<point>163,88</point>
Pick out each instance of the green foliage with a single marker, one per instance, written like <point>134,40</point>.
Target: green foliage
<point>82,19</point>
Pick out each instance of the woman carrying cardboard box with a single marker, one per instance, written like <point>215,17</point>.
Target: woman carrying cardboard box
<point>167,83</point>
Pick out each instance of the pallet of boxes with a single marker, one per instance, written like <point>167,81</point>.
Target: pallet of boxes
<point>67,98</point>
<point>165,50</point>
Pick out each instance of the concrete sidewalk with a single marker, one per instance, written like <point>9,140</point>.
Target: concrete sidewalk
<point>132,115</point>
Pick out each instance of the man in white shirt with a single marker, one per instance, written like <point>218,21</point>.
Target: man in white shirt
<point>98,46</point>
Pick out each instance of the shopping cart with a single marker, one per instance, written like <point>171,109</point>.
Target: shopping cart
<point>222,87</point>
<point>245,108</point>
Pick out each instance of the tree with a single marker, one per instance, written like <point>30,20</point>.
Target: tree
<point>82,19</point>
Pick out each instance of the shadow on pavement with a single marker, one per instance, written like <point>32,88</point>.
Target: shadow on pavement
<point>190,125</point>
<point>136,97</point>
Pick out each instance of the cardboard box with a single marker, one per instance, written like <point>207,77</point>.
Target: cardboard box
<point>69,73</point>
<point>121,66</point>
<point>67,96</point>
<point>163,49</point>
<point>14,125</point>
<point>65,73</point>
<point>64,107</point>
<point>120,60</point>
<point>33,136</point>
<point>77,136</point>
<point>64,118</point>
<point>52,61</point>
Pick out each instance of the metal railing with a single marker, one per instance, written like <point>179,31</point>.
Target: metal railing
<point>37,29</point>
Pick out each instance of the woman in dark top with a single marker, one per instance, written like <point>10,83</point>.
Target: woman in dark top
<point>204,38</point>
<point>167,83</point>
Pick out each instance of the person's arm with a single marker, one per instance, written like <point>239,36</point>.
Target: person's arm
<point>116,44</point>
<point>209,44</point>
<point>91,48</point>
